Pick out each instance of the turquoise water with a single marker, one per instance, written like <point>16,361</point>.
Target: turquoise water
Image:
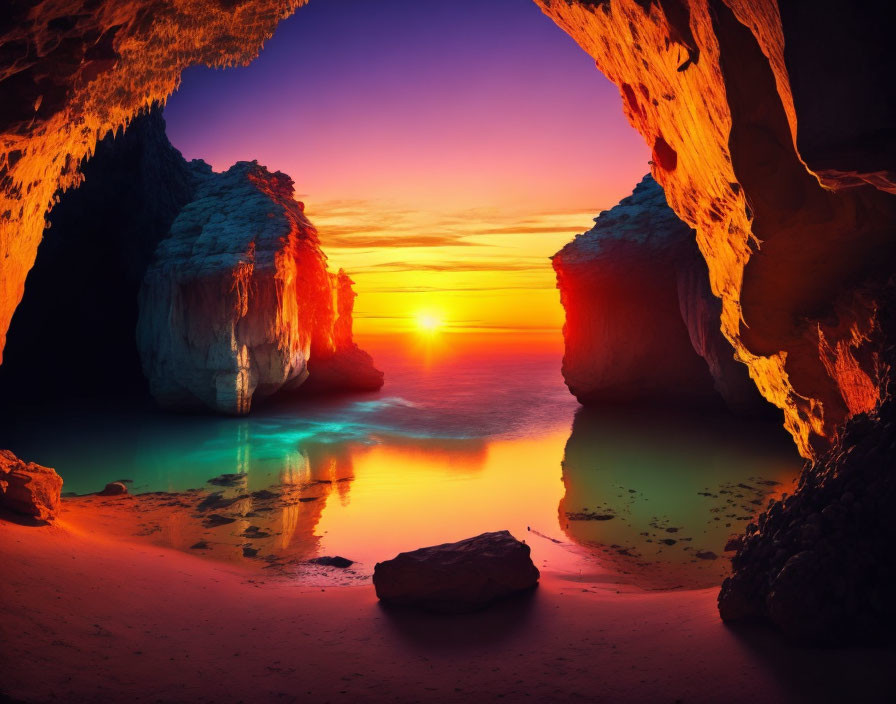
<point>455,444</point>
<point>458,400</point>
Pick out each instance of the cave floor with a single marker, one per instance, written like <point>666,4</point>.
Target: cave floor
<point>89,618</point>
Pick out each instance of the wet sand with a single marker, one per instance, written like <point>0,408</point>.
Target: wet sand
<point>91,618</point>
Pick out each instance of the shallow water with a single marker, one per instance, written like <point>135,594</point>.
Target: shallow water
<point>468,435</point>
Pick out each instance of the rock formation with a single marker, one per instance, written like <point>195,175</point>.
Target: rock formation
<point>72,71</point>
<point>640,314</point>
<point>238,299</point>
<point>103,237</point>
<point>766,140</point>
<point>100,239</point>
<point>457,577</point>
<point>772,134</point>
<point>28,489</point>
<point>819,565</point>
<point>337,364</point>
<point>114,489</point>
<point>718,89</point>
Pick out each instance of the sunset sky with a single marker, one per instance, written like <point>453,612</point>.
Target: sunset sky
<point>444,150</point>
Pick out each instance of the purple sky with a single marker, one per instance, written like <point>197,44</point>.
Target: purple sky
<point>452,119</point>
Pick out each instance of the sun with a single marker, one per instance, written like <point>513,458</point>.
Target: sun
<point>427,322</point>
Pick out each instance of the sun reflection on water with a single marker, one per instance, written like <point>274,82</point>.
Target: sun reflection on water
<point>472,444</point>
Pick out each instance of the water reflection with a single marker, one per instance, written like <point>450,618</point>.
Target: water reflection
<point>255,490</point>
<point>472,444</point>
<point>660,496</point>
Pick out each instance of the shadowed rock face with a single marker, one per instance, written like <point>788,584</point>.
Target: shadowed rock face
<point>641,321</point>
<point>337,364</point>
<point>820,564</point>
<point>101,238</point>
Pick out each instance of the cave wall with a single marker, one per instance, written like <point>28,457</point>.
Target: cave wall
<point>73,70</point>
<point>772,133</point>
<point>711,87</point>
<point>73,334</point>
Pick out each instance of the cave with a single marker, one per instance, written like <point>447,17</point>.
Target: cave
<point>764,290</point>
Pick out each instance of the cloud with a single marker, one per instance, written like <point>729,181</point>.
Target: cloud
<point>355,238</point>
<point>371,224</point>
<point>455,289</point>
<point>459,266</point>
<point>523,230</point>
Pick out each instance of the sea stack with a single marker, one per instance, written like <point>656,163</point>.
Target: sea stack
<point>238,298</point>
<point>641,321</point>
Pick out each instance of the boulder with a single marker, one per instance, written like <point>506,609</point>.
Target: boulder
<point>332,561</point>
<point>29,489</point>
<point>457,577</point>
<point>114,489</point>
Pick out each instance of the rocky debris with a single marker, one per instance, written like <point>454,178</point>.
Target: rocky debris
<point>328,561</point>
<point>229,480</point>
<point>255,533</point>
<point>114,489</point>
<point>29,489</point>
<point>238,300</point>
<point>589,516</point>
<point>216,519</point>
<point>217,501</point>
<point>457,577</point>
<point>665,514</point>
<point>640,313</point>
<point>819,565</point>
<point>734,543</point>
<point>275,522</point>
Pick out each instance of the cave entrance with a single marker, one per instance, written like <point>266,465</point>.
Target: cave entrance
<point>437,152</point>
<point>442,167</point>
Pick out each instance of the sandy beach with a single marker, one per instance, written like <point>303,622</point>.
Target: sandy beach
<point>91,618</point>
